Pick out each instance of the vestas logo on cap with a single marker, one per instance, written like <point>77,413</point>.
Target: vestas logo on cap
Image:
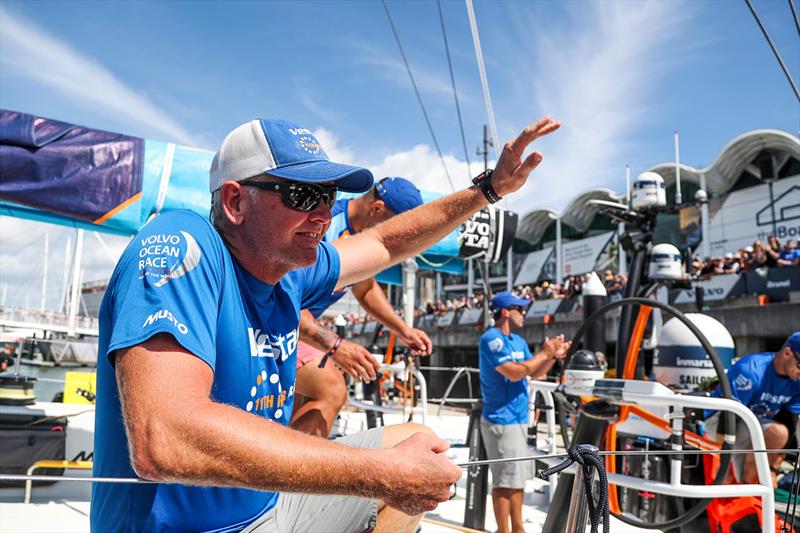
<point>310,144</point>
<point>291,144</point>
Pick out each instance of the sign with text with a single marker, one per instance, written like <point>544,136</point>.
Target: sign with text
<point>586,255</point>
<point>533,266</point>
<point>749,214</point>
<point>714,289</point>
<point>488,234</point>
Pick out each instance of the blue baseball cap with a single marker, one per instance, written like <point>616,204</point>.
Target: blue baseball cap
<point>794,342</point>
<point>283,149</point>
<point>399,194</point>
<point>505,299</point>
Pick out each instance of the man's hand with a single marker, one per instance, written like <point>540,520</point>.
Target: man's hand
<point>552,345</point>
<point>356,360</point>
<point>423,474</point>
<point>417,340</point>
<point>511,171</point>
<point>562,350</point>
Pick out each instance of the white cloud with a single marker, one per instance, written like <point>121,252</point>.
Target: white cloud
<point>41,57</point>
<point>599,78</point>
<point>22,260</point>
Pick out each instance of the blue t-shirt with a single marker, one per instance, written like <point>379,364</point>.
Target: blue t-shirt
<point>178,277</point>
<point>504,401</point>
<point>756,384</point>
<point>340,228</point>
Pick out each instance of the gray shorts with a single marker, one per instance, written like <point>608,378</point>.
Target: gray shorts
<point>743,441</point>
<point>311,513</point>
<point>504,441</point>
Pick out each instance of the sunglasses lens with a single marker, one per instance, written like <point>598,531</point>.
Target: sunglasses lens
<point>302,197</point>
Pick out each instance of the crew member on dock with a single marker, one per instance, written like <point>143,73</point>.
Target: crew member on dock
<point>198,335</point>
<point>505,364</point>
<point>322,391</point>
<point>766,383</point>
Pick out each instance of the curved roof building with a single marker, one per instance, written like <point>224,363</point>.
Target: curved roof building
<point>743,162</point>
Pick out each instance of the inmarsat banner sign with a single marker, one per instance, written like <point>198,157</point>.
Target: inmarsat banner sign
<point>750,214</point>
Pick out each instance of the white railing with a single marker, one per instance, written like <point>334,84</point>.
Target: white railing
<point>674,487</point>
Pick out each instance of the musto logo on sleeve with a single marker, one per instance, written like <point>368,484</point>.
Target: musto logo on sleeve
<point>168,256</point>
<point>165,314</point>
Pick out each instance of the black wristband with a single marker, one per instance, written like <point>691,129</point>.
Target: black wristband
<point>484,183</point>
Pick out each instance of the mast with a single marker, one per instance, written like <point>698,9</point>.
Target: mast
<point>62,306</point>
<point>44,276</point>
<point>76,284</point>
<point>678,197</point>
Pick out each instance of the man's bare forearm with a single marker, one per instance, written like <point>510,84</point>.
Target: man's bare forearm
<point>371,297</point>
<point>219,445</point>
<point>314,333</point>
<point>364,255</point>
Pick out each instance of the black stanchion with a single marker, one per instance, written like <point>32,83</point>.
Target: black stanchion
<point>477,476</point>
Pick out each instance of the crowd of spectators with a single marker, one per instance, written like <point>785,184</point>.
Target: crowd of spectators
<point>759,255</point>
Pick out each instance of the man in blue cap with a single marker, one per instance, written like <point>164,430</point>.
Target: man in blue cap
<point>505,364</point>
<point>767,383</point>
<point>198,338</point>
<point>319,382</point>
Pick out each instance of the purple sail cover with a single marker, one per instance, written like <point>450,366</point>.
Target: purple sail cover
<point>67,169</point>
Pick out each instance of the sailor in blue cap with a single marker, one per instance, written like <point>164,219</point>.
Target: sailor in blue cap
<point>198,338</point>
<point>320,382</point>
<point>505,364</point>
<point>769,385</point>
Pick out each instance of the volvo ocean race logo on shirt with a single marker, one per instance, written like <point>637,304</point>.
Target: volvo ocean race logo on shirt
<point>264,344</point>
<point>496,345</point>
<point>165,256</point>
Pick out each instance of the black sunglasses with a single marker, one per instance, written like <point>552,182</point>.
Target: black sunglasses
<point>523,310</point>
<point>298,196</point>
<point>796,358</point>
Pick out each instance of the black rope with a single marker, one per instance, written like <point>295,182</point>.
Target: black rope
<point>416,91</point>
<point>455,92</point>
<point>588,456</point>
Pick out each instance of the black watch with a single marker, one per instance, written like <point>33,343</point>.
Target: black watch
<point>484,183</point>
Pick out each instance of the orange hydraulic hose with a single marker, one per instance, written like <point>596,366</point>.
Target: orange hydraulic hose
<point>628,372</point>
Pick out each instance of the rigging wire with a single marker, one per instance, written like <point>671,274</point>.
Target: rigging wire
<point>563,455</point>
<point>774,50</point>
<point>794,14</point>
<point>416,91</point>
<point>455,92</point>
<point>487,98</point>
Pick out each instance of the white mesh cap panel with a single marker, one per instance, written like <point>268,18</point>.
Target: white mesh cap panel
<point>244,153</point>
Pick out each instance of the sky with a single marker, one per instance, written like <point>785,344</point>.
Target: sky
<point>621,76</point>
